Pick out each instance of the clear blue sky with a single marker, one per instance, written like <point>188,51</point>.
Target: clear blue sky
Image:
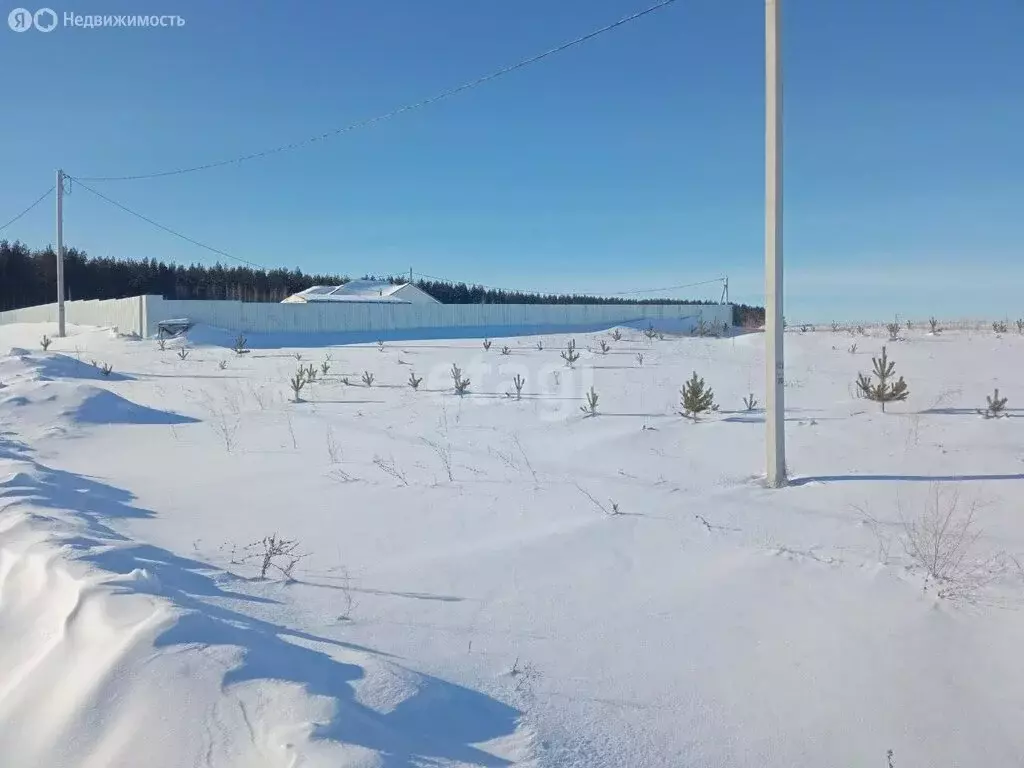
<point>630,162</point>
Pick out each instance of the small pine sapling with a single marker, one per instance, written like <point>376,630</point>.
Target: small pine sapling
<point>183,353</point>
<point>886,390</point>
<point>519,382</point>
<point>640,359</point>
<point>1020,325</point>
<point>161,343</point>
<point>461,384</point>
<point>241,345</point>
<point>996,406</point>
<point>617,335</point>
<point>222,364</point>
<point>540,346</point>
<point>367,378</point>
<point>835,327</point>
<point>853,349</point>
<point>661,336</point>
<point>805,328</point>
<point>604,347</point>
<point>590,409</point>
<point>999,326</point>
<point>487,345</point>
<point>297,356</point>
<point>750,403</point>
<point>894,329</point>
<point>325,368</point>
<point>933,326</point>
<point>413,381</point>
<point>310,374</point>
<point>649,332</point>
<point>380,345</point>
<point>506,351</point>
<point>297,382</point>
<point>45,342</point>
<point>696,398</point>
<point>570,355</point>
<point>861,331</point>
<point>106,369</point>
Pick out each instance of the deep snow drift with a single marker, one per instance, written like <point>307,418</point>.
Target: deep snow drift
<point>465,594</point>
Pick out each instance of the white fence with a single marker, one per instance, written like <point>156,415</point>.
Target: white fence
<point>142,313</point>
<point>947,324</point>
<point>127,315</point>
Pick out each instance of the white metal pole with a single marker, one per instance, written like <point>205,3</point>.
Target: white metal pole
<point>60,253</point>
<point>775,404</point>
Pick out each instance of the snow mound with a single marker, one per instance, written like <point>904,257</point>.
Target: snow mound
<point>46,392</point>
<point>21,363</point>
<point>99,406</point>
<point>112,657</point>
<point>60,405</point>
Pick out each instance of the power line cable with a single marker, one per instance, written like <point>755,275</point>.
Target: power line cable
<point>158,225</point>
<point>557,293</point>
<point>400,110</point>
<point>670,287</point>
<point>40,199</point>
<point>227,255</point>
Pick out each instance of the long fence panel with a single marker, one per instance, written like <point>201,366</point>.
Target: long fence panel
<point>387,320</point>
<point>140,315</point>
<point>127,315</point>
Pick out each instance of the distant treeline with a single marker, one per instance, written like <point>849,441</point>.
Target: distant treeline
<point>29,277</point>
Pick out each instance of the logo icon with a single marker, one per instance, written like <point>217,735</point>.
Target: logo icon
<point>20,20</point>
<point>45,19</point>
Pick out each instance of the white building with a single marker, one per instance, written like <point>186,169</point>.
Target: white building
<point>363,291</point>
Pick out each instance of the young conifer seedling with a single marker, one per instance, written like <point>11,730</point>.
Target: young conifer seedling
<point>460,384</point>
<point>297,382</point>
<point>519,382</point>
<point>996,406</point>
<point>886,390</point>
<point>570,355</point>
<point>590,409</point>
<point>696,398</point>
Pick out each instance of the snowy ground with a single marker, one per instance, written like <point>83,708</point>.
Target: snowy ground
<point>467,598</point>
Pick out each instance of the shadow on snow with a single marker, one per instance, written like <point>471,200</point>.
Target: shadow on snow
<point>440,722</point>
<point>904,478</point>
<point>208,335</point>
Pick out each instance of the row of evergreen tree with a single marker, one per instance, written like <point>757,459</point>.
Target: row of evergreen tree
<point>29,277</point>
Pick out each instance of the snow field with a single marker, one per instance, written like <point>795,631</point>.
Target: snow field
<point>465,597</point>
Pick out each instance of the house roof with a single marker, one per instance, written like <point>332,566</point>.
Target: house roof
<point>356,291</point>
<point>367,289</point>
